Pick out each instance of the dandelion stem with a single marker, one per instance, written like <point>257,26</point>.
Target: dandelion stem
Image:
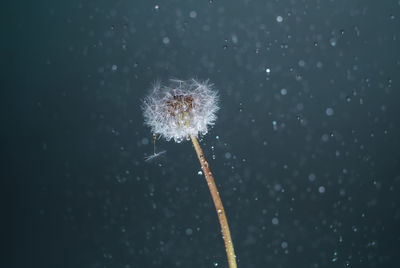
<point>226,234</point>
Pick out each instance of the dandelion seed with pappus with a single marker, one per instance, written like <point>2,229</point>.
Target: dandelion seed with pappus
<point>183,110</point>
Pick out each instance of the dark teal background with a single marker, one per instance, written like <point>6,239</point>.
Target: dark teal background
<point>302,187</point>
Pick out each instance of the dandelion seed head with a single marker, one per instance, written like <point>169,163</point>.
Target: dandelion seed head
<point>181,108</point>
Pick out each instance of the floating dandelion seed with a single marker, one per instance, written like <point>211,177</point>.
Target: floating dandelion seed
<point>153,156</point>
<point>181,111</point>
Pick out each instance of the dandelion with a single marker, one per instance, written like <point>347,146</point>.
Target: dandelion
<point>181,111</point>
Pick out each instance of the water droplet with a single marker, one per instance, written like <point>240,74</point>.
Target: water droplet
<point>329,111</point>
<point>301,63</point>
<point>312,177</point>
<point>279,18</point>
<point>165,40</point>
<point>274,125</point>
<point>200,172</point>
<point>284,46</point>
<point>107,256</point>
<point>189,231</point>
<point>283,91</point>
<point>321,189</point>
<point>275,221</point>
<point>193,14</point>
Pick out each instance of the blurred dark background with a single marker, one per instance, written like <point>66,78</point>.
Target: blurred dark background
<point>305,150</point>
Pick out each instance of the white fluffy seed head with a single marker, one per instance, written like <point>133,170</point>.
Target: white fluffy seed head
<point>180,109</point>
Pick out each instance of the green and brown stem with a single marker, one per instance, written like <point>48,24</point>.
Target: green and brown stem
<point>226,234</point>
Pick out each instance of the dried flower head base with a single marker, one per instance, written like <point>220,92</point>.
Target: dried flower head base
<point>182,111</point>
